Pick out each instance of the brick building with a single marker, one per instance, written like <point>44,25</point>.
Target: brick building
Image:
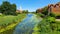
<point>54,8</point>
<point>18,11</point>
<point>39,10</point>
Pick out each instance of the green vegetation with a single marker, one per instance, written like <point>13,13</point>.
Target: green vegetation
<point>8,9</point>
<point>52,15</point>
<point>45,10</point>
<point>47,26</point>
<point>8,23</point>
<point>9,18</point>
<point>41,15</point>
<point>25,11</point>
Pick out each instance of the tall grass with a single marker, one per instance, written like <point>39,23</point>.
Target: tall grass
<point>7,20</point>
<point>47,26</point>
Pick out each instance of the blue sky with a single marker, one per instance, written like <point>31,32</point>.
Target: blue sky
<point>31,5</point>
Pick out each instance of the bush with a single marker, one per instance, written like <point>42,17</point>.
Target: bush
<point>50,19</point>
<point>41,15</point>
<point>46,25</point>
<point>52,15</point>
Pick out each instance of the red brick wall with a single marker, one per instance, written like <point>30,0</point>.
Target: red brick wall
<point>54,8</point>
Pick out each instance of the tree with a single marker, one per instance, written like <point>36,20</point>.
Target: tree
<point>7,8</point>
<point>25,11</point>
<point>0,9</point>
<point>45,10</point>
<point>13,6</point>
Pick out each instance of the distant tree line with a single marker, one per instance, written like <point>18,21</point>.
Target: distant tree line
<point>7,8</point>
<point>25,11</point>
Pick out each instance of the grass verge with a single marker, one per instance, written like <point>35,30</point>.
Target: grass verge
<point>8,24</point>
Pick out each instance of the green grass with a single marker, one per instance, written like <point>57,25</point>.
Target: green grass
<point>9,22</point>
<point>10,19</point>
<point>47,26</point>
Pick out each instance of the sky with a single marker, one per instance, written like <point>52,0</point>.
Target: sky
<point>31,5</point>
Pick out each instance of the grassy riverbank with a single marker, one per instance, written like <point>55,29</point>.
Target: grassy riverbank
<point>48,25</point>
<point>8,23</point>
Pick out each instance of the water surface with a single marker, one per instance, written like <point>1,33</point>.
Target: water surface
<point>27,25</point>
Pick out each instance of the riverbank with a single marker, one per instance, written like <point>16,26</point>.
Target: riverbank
<point>27,25</point>
<point>17,19</point>
<point>48,25</point>
<point>36,29</point>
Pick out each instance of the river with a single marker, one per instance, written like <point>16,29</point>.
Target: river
<point>27,25</point>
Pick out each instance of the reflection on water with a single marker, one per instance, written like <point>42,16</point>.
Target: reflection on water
<point>27,25</point>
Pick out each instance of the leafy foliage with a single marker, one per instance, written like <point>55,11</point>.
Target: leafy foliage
<point>52,15</point>
<point>48,26</point>
<point>45,10</point>
<point>25,11</point>
<point>7,8</point>
<point>41,15</point>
